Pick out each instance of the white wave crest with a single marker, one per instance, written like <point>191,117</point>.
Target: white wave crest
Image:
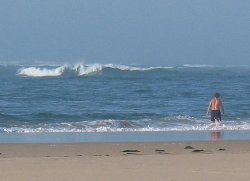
<point>82,69</point>
<point>125,67</point>
<point>37,72</point>
<point>197,66</point>
<point>79,69</point>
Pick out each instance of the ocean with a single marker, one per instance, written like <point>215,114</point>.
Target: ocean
<point>109,98</point>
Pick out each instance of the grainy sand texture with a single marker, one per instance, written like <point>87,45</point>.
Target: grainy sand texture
<point>126,161</point>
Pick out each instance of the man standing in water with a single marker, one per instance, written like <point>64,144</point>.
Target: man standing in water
<point>215,105</point>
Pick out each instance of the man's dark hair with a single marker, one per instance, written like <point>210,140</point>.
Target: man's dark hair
<point>216,94</point>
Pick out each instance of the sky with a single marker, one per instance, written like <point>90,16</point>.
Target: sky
<point>129,32</point>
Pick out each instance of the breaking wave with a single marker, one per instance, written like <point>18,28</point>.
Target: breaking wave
<point>87,69</point>
<point>77,70</point>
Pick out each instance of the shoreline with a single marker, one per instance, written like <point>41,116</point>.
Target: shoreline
<point>96,137</point>
<point>170,160</point>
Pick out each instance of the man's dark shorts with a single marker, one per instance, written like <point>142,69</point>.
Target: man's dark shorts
<point>215,114</point>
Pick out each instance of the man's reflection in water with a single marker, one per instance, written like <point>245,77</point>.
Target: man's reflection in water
<point>215,135</point>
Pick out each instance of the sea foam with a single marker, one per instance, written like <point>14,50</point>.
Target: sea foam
<point>119,126</point>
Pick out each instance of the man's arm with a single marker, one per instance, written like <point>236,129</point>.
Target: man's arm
<point>209,107</point>
<point>222,108</point>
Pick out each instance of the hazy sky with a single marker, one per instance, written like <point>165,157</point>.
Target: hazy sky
<point>141,32</point>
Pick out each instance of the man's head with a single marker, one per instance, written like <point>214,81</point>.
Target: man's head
<point>216,94</point>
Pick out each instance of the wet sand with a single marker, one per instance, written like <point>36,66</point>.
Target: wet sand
<point>183,160</point>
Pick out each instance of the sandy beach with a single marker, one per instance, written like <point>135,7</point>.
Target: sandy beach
<point>192,160</point>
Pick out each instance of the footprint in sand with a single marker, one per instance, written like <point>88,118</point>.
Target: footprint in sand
<point>131,152</point>
<point>197,151</point>
<point>159,151</point>
<point>222,149</point>
<point>189,147</point>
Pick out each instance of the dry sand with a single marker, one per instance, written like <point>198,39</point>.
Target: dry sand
<point>157,161</point>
